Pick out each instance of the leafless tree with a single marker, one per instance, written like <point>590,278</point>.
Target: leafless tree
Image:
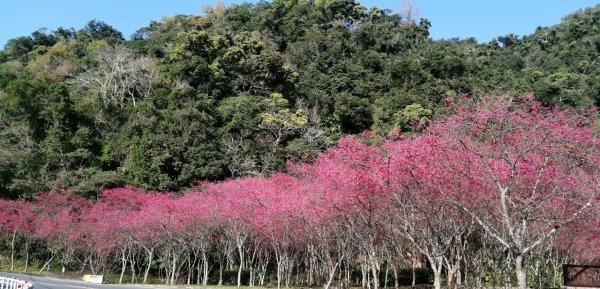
<point>117,76</point>
<point>409,12</point>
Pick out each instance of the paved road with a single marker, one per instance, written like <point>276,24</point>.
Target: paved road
<point>56,283</point>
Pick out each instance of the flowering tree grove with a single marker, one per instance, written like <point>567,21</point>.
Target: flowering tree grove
<point>530,170</point>
<point>499,187</point>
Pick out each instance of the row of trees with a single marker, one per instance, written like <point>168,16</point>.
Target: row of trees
<point>244,88</point>
<point>503,188</point>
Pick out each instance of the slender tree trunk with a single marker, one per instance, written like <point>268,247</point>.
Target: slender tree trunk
<point>241,253</point>
<point>368,278</point>
<point>364,271</point>
<point>12,251</point>
<point>220,273</point>
<point>261,277</point>
<point>199,266</point>
<point>281,259</point>
<point>92,267</point>
<point>332,274</point>
<point>466,275</point>
<point>123,266</point>
<point>310,268</point>
<point>63,263</point>
<point>173,269</point>
<point>132,267</point>
<point>205,269</point>
<point>289,267</point>
<point>150,256</point>
<point>26,255</point>
<point>83,265</point>
<point>253,266</point>
<point>348,274</point>
<point>177,272</point>
<point>279,273</point>
<point>396,281</point>
<point>47,264</point>
<point>375,273</point>
<point>387,269</point>
<point>190,269</point>
<point>263,272</point>
<point>251,281</point>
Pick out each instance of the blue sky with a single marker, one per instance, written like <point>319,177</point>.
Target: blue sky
<point>482,19</point>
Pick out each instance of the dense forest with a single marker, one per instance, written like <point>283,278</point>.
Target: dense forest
<point>244,89</point>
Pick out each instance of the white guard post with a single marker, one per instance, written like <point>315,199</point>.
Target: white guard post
<point>12,283</point>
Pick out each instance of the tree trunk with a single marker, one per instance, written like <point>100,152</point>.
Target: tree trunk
<point>199,272</point>
<point>132,267</point>
<point>94,269</point>
<point>289,268</point>
<point>365,273</point>
<point>83,265</point>
<point>204,269</point>
<point>449,278</point>
<point>375,273</point>
<point>279,273</point>
<point>368,279</point>
<point>436,264</point>
<point>47,264</point>
<point>348,280</point>
<point>253,266</point>
<point>466,274</point>
<point>385,279</point>
<point>451,270</point>
<point>332,274</point>
<point>263,272</point>
<point>311,263</point>
<point>437,279</point>
<point>26,255</point>
<point>241,253</point>
<point>173,269</point>
<point>123,266</point>
<point>396,281</point>
<point>12,251</point>
<point>220,273</point>
<point>281,258</point>
<point>521,272</point>
<point>251,281</point>
<point>190,269</point>
<point>150,255</point>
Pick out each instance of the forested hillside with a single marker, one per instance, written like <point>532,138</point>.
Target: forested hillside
<point>241,90</point>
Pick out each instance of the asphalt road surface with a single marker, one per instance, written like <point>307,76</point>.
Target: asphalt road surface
<point>56,283</point>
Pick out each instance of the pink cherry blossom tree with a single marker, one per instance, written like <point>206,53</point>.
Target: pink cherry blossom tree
<point>57,224</point>
<point>521,171</point>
